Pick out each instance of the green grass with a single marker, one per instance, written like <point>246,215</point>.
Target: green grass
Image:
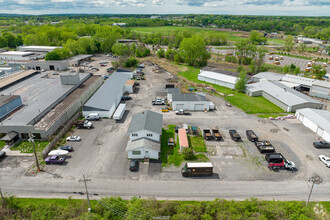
<point>26,147</point>
<point>2,144</point>
<point>274,68</point>
<point>253,105</point>
<point>166,30</point>
<point>197,143</point>
<point>170,156</point>
<point>275,41</point>
<point>270,115</point>
<point>326,205</point>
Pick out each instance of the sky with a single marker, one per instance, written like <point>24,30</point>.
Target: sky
<point>234,7</point>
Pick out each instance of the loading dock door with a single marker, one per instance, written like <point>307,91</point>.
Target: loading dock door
<point>199,107</point>
<point>319,131</point>
<point>180,106</point>
<point>51,67</point>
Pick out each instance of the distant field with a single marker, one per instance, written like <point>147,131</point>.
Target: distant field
<point>166,30</point>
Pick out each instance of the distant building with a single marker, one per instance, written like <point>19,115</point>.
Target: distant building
<point>119,24</point>
<point>221,79</point>
<point>302,39</point>
<point>36,49</point>
<point>17,55</point>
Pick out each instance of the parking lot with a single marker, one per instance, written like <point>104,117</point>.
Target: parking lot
<point>101,153</point>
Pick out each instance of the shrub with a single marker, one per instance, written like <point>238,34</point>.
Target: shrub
<point>131,62</point>
<point>188,153</point>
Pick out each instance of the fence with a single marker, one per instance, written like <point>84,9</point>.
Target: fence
<point>58,137</point>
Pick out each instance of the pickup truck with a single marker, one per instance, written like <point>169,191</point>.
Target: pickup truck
<point>216,135</point>
<point>182,112</point>
<point>207,134</point>
<point>277,161</point>
<point>84,124</point>
<point>264,147</point>
<point>321,144</point>
<point>251,135</point>
<point>234,135</point>
<point>158,101</point>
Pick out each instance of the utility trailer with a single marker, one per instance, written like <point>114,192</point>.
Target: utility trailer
<point>119,113</point>
<point>251,136</point>
<point>264,147</point>
<point>207,134</point>
<point>234,135</point>
<point>216,135</point>
<point>197,169</point>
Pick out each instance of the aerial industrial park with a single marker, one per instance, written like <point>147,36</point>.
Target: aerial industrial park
<point>158,124</point>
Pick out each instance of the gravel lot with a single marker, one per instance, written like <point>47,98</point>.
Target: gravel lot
<point>101,153</point>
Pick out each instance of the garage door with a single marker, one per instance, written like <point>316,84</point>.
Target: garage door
<point>180,106</point>
<point>199,107</point>
<point>319,131</point>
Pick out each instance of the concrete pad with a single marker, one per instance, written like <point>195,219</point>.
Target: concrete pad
<point>231,151</point>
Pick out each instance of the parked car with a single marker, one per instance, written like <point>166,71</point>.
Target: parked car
<point>325,160</point>
<point>134,165</point>
<point>321,144</point>
<point>66,147</point>
<point>2,154</point>
<point>55,160</point>
<point>73,138</point>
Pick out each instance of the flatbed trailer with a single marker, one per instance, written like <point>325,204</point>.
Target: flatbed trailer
<point>234,135</point>
<point>207,134</point>
<point>264,147</point>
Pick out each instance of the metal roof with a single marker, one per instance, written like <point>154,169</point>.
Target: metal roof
<point>183,140</point>
<point>106,95</point>
<point>4,99</point>
<point>16,53</point>
<point>269,76</point>
<point>319,117</point>
<point>144,142</point>
<point>146,120</point>
<point>188,97</point>
<point>173,90</point>
<point>320,83</point>
<point>298,79</point>
<point>217,70</point>
<point>218,76</point>
<point>281,92</point>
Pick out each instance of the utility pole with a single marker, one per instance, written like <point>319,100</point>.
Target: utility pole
<point>34,150</point>
<point>315,180</point>
<point>89,204</point>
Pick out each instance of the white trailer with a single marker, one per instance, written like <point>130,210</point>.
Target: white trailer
<point>119,112</point>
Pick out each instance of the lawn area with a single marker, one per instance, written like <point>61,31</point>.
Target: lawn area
<point>275,41</point>
<point>270,115</point>
<point>274,68</point>
<point>173,156</point>
<point>253,105</point>
<point>26,147</point>
<point>2,144</point>
<point>166,30</point>
<point>197,143</point>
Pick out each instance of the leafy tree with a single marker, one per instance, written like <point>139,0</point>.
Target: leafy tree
<point>288,43</point>
<point>188,153</point>
<point>257,38</point>
<point>240,84</point>
<point>3,42</point>
<point>131,62</point>
<point>319,71</point>
<point>177,58</point>
<point>161,53</point>
<point>193,51</point>
<point>302,47</point>
<point>53,55</point>
<point>121,49</point>
<point>11,40</point>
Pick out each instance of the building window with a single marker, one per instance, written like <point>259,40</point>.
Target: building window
<point>136,152</point>
<point>149,135</point>
<point>134,135</point>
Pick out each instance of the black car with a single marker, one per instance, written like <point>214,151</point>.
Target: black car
<point>321,144</point>
<point>134,165</point>
<point>125,98</point>
<point>2,154</point>
<point>66,147</point>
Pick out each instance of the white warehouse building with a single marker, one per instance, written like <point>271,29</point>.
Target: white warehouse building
<point>191,102</point>
<point>316,120</point>
<point>217,78</point>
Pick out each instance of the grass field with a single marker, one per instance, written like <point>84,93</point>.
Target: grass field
<point>2,144</point>
<point>26,147</point>
<point>197,143</point>
<point>166,30</point>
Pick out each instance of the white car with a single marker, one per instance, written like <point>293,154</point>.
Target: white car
<point>73,138</point>
<point>325,160</point>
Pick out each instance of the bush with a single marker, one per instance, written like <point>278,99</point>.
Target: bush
<point>131,62</point>
<point>161,53</point>
<point>188,153</point>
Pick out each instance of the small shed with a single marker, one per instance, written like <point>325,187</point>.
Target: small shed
<point>183,139</point>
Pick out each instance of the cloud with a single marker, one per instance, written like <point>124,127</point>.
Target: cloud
<point>158,2</point>
<point>286,3</point>
<point>203,3</point>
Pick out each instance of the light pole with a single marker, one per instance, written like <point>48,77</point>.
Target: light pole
<point>34,150</point>
<point>315,180</point>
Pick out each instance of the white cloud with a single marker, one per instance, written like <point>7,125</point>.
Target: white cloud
<point>158,2</point>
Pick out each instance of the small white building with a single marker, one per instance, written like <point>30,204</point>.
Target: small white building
<point>38,49</point>
<point>16,55</point>
<point>190,101</point>
<point>316,120</point>
<point>145,133</point>
<point>321,89</point>
<point>218,78</point>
